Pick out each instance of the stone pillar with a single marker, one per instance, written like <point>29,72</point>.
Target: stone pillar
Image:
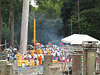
<point>3,67</point>
<point>89,61</point>
<point>98,61</point>
<point>76,65</point>
<point>6,68</point>
<point>47,62</point>
<point>10,70</point>
<point>99,56</point>
<point>54,70</point>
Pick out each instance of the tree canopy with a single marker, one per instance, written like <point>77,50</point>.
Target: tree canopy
<point>89,17</point>
<point>53,19</point>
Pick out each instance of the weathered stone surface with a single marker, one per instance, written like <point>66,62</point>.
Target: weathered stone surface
<point>53,70</point>
<point>89,64</point>
<point>47,62</point>
<point>10,70</point>
<point>6,68</point>
<point>49,68</point>
<point>3,56</point>
<point>76,65</point>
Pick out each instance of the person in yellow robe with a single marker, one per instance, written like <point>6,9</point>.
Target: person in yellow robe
<point>48,52</point>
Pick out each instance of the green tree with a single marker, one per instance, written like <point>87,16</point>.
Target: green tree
<point>69,10</point>
<point>89,22</point>
<point>66,11</point>
<point>0,25</point>
<point>49,7</point>
<point>8,16</point>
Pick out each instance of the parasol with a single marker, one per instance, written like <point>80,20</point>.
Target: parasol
<point>37,44</point>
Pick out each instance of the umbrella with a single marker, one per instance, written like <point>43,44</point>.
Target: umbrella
<point>37,44</point>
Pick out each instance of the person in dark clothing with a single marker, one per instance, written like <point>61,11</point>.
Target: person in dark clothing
<point>35,61</point>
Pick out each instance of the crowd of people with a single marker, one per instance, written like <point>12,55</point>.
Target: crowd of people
<point>38,55</point>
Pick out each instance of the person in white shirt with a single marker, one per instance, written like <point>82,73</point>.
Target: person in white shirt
<point>58,55</point>
<point>23,64</point>
<point>45,52</point>
<point>28,62</point>
<point>25,56</point>
<point>35,55</point>
<point>63,57</point>
<point>39,54</point>
<point>56,52</point>
<point>37,63</point>
<point>15,61</point>
<point>29,56</point>
<point>54,55</point>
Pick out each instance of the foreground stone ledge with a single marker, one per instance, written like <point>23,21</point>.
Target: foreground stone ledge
<point>6,68</point>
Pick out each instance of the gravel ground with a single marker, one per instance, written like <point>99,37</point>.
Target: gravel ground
<point>34,70</point>
<point>29,70</point>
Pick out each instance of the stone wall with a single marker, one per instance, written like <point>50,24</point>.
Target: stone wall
<point>3,56</point>
<point>6,68</point>
<point>49,68</point>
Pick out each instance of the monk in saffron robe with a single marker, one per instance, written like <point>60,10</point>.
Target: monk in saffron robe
<point>40,60</point>
<point>48,52</point>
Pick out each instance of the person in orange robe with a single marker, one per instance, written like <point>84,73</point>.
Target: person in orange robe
<point>48,52</point>
<point>40,60</point>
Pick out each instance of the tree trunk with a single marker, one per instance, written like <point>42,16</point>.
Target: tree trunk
<point>24,27</point>
<point>78,15</point>
<point>0,25</point>
<point>12,28</point>
<point>11,22</point>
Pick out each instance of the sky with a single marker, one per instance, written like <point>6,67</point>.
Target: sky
<point>33,3</point>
